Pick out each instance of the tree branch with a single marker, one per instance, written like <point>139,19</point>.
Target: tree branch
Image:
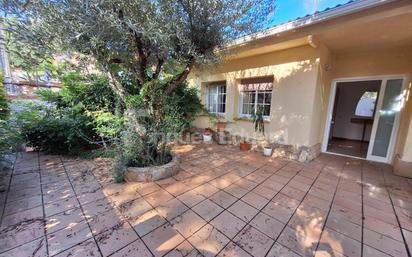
<point>160,62</point>
<point>181,77</point>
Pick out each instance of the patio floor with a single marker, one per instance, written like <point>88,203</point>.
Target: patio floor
<point>223,202</point>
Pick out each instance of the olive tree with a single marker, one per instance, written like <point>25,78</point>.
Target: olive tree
<point>147,48</point>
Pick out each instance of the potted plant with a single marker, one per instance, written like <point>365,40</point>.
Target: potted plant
<point>259,124</point>
<point>245,145</point>
<point>207,135</point>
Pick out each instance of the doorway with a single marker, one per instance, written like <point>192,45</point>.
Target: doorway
<point>363,118</point>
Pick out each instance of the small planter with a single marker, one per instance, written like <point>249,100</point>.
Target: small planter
<point>221,126</point>
<point>207,138</point>
<point>221,137</point>
<point>152,173</point>
<point>245,146</point>
<point>267,151</point>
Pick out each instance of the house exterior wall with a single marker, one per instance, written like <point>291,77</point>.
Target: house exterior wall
<point>293,106</point>
<point>377,63</point>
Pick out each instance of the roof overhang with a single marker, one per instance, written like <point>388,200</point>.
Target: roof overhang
<point>319,17</point>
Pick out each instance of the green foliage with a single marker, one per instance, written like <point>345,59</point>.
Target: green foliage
<point>4,103</point>
<point>258,120</point>
<point>81,116</point>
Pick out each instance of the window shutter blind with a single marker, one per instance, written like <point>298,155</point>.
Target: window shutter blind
<point>253,84</point>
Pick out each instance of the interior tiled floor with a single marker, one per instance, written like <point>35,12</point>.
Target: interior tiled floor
<point>223,202</point>
<point>348,147</point>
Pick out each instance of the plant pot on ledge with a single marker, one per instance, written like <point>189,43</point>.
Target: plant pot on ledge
<point>221,126</point>
<point>245,146</point>
<point>267,151</point>
<point>207,136</point>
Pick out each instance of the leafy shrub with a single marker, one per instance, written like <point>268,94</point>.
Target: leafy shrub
<point>81,116</point>
<point>4,103</point>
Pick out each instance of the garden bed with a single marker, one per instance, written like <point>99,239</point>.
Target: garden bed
<point>152,173</point>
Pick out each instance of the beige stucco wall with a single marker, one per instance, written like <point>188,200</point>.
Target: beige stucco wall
<point>294,99</point>
<point>375,63</point>
<point>302,84</point>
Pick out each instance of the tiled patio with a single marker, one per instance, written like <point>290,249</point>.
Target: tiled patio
<point>223,202</point>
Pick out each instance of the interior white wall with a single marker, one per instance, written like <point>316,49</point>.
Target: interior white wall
<point>349,95</point>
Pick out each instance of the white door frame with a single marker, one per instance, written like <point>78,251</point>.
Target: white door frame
<point>332,97</point>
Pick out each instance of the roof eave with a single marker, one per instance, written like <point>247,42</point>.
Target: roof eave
<point>319,17</point>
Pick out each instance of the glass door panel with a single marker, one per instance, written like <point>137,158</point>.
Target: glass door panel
<point>382,138</point>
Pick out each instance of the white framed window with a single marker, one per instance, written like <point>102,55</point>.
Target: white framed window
<point>255,93</point>
<point>216,99</point>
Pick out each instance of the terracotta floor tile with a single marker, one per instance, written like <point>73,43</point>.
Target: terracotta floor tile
<point>22,233</point>
<point>298,241</point>
<point>158,197</point>
<point>208,241</point>
<point>372,252</point>
<point>60,206</point>
<point>105,221</point>
<point>207,209</point>
<point>137,248</point>
<point>183,250</point>
<point>345,227</point>
<point>278,212</point>
<point>255,200</point>
<point>339,243</point>
<point>225,167</point>
<point>31,214</point>
<point>68,237</point>
<point>87,248</point>
<point>90,196</point>
<point>206,190</point>
<point>286,201</point>
<point>133,209</point>
<point>22,194</point>
<point>115,238</point>
<point>22,205</point>
<point>265,192</point>
<point>243,211</point>
<point>408,238</point>
<point>383,228</point>
<point>268,225</point>
<point>171,209</point>
<point>223,199</point>
<point>279,250</point>
<point>253,241</point>
<point>233,250</point>
<point>236,190</point>
<point>36,248</point>
<point>57,195</point>
<point>147,222</point>
<point>64,219</point>
<point>293,192</point>
<point>383,243</point>
<point>246,184</point>
<point>188,223</point>
<point>177,188</point>
<point>228,224</point>
<point>162,240</point>
<point>191,198</point>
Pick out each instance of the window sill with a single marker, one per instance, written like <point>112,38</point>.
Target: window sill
<point>249,119</point>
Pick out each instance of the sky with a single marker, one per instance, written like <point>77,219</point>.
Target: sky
<point>292,9</point>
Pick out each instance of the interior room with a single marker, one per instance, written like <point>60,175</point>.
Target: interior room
<point>352,117</point>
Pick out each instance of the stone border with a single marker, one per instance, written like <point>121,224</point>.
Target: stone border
<point>153,173</point>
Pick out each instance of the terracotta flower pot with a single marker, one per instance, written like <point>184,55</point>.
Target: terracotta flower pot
<point>221,126</point>
<point>244,146</point>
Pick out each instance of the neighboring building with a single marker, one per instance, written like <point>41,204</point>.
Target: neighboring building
<point>312,76</point>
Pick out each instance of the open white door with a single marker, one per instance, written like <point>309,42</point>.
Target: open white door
<point>386,120</point>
